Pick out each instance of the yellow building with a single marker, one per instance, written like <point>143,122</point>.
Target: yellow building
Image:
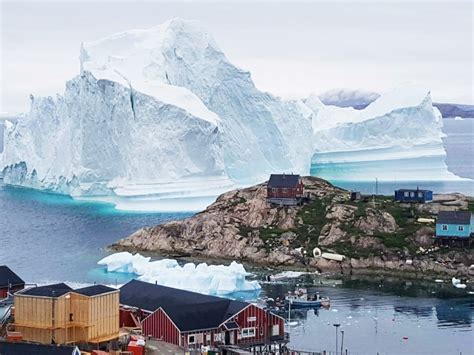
<point>58,314</point>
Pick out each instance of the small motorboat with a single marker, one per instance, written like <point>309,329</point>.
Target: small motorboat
<point>301,299</point>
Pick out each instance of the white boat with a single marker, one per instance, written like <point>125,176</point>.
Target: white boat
<point>458,283</point>
<point>301,299</point>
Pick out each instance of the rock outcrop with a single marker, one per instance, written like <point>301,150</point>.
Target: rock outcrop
<point>241,225</point>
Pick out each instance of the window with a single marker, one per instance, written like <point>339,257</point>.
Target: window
<point>420,194</point>
<point>217,337</point>
<point>285,190</point>
<point>248,332</point>
<point>406,194</point>
<point>460,228</point>
<point>412,194</point>
<point>191,339</point>
<point>274,190</point>
<point>275,330</point>
<point>444,227</point>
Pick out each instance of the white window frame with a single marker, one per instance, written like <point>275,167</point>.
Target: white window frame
<point>194,339</point>
<point>406,194</point>
<point>412,194</point>
<point>217,337</point>
<point>460,228</point>
<point>444,227</point>
<point>248,332</point>
<point>420,194</point>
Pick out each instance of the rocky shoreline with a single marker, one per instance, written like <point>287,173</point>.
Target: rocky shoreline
<point>378,236</point>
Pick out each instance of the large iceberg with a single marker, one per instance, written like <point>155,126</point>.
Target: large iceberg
<point>159,119</point>
<point>202,278</point>
<point>156,114</point>
<point>396,137</point>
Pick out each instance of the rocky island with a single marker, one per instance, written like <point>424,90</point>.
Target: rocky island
<point>375,234</point>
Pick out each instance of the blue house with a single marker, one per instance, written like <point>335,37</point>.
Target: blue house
<point>454,226</point>
<point>413,195</point>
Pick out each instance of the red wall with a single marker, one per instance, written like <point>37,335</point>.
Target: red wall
<point>290,192</point>
<point>159,326</point>
<point>263,323</point>
<point>4,291</point>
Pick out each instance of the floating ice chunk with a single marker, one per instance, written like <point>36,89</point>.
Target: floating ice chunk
<point>203,278</point>
<point>124,262</point>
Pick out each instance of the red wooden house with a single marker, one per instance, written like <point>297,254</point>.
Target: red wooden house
<point>192,320</point>
<point>285,190</point>
<point>9,281</point>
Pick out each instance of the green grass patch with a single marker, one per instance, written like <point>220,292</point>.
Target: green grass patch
<point>470,206</point>
<point>351,251</point>
<point>313,216</point>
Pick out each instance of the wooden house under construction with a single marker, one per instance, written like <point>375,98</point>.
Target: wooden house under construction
<point>57,314</point>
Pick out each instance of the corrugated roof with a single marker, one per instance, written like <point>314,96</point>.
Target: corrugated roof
<point>8,277</point>
<point>94,290</point>
<point>54,290</point>
<point>188,310</point>
<point>283,180</point>
<point>413,190</point>
<point>454,217</point>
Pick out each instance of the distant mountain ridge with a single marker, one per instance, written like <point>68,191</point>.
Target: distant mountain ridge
<point>360,99</point>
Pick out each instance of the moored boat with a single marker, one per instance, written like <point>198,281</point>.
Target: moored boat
<point>301,299</point>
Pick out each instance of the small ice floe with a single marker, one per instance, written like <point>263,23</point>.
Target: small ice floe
<point>439,281</point>
<point>349,317</point>
<point>292,324</point>
<point>470,292</point>
<point>457,283</point>
<point>334,310</point>
<point>285,275</point>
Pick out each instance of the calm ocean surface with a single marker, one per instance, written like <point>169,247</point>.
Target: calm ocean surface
<point>47,238</point>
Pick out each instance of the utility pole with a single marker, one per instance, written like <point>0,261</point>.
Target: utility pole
<point>336,325</point>
<point>342,340</point>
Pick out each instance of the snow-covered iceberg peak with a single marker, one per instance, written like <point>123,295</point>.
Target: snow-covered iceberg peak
<point>143,60</point>
<point>259,129</point>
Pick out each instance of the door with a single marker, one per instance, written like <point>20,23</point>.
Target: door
<point>229,337</point>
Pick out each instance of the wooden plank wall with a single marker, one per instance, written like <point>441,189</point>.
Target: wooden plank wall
<point>104,315</point>
<point>92,317</point>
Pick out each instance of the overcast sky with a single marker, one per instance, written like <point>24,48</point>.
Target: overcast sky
<point>292,49</point>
